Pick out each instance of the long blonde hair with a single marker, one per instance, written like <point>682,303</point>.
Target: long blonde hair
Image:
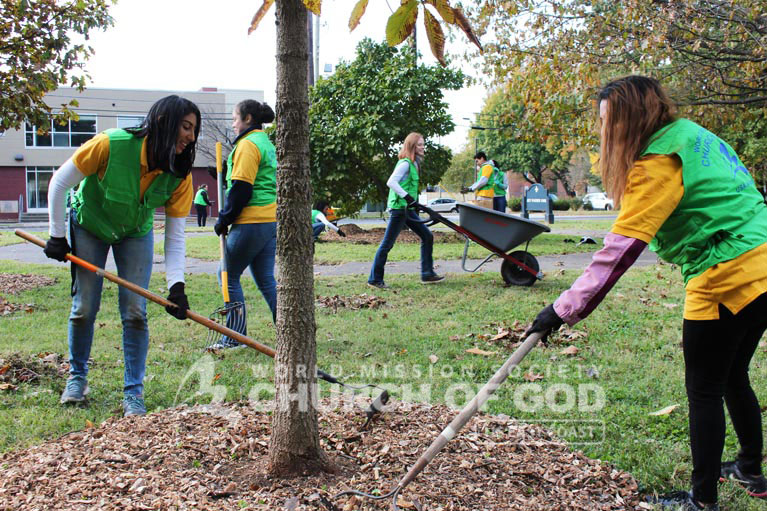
<point>408,147</point>
<point>637,107</point>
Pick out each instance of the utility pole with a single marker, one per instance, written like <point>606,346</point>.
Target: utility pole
<point>310,46</point>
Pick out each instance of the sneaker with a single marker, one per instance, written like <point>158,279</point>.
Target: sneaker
<point>433,279</point>
<point>224,344</point>
<point>756,486</point>
<point>379,285</point>
<point>75,391</point>
<point>133,405</point>
<point>680,501</point>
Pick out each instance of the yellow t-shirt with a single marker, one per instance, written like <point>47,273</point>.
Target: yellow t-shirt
<point>245,163</point>
<point>92,157</point>
<point>487,171</point>
<point>653,191</point>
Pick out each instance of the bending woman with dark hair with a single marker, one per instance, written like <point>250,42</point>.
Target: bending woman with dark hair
<point>250,207</point>
<point>685,192</point>
<point>320,221</point>
<point>123,176</point>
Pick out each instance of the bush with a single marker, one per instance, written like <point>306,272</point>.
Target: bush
<point>515,204</point>
<point>588,207</point>
<point>561,205</point>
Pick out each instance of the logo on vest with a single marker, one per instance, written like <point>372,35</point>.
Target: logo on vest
<point>735,164</point>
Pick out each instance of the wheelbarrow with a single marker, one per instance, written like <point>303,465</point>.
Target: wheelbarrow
<point>499,233</point>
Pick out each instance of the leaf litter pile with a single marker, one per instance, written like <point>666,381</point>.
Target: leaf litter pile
<point>15,283</point>
<point>359,236</point>
<point>354,302</point>
<point>18,368</point>
<point>213,457</point>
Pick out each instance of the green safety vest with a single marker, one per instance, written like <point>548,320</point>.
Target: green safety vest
<point>315,212</point>
<point>265,185</point>
<point>721,214</point>
<point>198,198</point>
<point>497,182</point>
<point>111,208</point>
<point>410,185</point>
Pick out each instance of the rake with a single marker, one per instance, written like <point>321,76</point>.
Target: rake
<point>375,406</point>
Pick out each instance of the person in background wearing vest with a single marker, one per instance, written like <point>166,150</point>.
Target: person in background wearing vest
<point>123,175</point>
<point>403,187</point>
<point>500,185</point>
<point>201,204</point>
<point>320,221</point>
<point>250,207</point>
<point>685,192</point>
<point>483,186</point>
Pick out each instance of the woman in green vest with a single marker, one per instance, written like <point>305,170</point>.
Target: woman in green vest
<point>403,187</point>
<point>201,203</point>
<point>123,176</point>
<point>684,192</point>
<point>249,213</point>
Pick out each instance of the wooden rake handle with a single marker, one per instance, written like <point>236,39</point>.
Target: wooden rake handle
<point>207,322</point>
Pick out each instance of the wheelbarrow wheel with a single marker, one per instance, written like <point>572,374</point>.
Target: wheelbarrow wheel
<point>516,275</point>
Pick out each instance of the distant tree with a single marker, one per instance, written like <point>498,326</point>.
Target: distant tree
<point>37,55</point>
<point>461,171</point>
<point>361,114</point>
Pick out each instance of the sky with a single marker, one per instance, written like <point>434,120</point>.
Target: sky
<point>189,44</point>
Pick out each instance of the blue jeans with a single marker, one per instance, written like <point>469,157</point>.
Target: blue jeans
<point>397,220</point>
<point>252,246</point>
<point>317,229</point>
<point>133,257</point>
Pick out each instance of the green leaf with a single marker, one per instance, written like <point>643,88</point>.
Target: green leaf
<point>402,22</point>
<point>357,13</point>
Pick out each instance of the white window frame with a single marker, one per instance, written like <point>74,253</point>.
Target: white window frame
<point>36,169</point>
<point>52,133</point>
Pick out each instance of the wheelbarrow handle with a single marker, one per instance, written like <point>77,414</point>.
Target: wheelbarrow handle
<point>207,322</point>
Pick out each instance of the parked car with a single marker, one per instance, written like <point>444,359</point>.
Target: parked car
<point>445,204</point>
<point>598,200</point>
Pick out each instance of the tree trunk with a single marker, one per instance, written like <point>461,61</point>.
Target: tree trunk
<point>294,447</point>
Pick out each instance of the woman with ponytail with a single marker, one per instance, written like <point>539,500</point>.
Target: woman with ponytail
<point>123,176</point>
<point>249,214</point>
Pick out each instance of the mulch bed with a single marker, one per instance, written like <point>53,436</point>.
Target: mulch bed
<point>214,458</point>
<point>358,236</point>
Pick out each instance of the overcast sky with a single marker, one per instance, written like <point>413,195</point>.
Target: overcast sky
<point>189,44</point>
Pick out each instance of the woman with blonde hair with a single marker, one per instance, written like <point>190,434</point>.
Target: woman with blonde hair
<point>685,192</point>
<point>403,187</point>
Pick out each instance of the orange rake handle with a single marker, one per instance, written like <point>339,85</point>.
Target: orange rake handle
<point>207,322</point>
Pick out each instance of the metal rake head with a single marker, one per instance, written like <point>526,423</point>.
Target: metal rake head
<point>233,316</point>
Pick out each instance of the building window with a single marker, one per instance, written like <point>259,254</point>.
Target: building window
<point>37,187</point>
<point>129,121</point>
<point>70,134</point>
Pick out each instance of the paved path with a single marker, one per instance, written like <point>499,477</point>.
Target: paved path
<point>28,253</point>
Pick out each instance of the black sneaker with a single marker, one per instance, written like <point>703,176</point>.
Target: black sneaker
<point>433,279</point>
<point>680,501</point>
<point>756,486</point>
<point>379,285</point>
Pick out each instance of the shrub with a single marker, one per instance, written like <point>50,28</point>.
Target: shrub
<point>561,205</point>
<point>515,204</point>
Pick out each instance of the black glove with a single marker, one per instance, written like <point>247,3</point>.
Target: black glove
<point>178,297</point>
<point>57,248</point>
<point>465,189</point>
<point>341,233</point>
<point>411,202</point>
<point>546,321</point>
<point>221,229</point>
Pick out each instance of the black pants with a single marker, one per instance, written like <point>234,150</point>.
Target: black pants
<point>202,214</point>
<point>717,354</point>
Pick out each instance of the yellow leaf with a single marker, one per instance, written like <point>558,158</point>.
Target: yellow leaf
<point>357,13</point>
<point>88,424</point>
<point>313,5</point>
<point>477,351</point>
<point>665,411</point>
<point>435,35</point>
<point>444,10</point>
<point>401,23</point>
<point>260,15</point>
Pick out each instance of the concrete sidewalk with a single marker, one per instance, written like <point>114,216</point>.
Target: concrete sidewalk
<point>29,253</point>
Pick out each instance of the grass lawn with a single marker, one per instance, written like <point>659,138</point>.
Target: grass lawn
<point>628,362</point>
<point>9,238</point>
<point>206,248</point>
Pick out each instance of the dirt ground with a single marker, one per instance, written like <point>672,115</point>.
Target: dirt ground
<point>359,236</point>
<point>214,458</point>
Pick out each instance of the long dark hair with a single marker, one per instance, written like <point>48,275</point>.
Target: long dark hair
<point>160,127</point>
<point>260,113</point>
<point>637,107</point>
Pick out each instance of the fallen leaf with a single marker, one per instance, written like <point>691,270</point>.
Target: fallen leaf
<point>570,350</point>
<point>477,351</point>
<point>433,359</point>
<point>88,424</point>
<point>532,377</point>
<point>665,411</point>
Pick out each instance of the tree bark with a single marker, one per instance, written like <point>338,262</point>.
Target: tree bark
<point>294,446</point>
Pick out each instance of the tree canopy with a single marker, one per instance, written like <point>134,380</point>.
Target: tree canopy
<point>360,115</point>
<point>37,55</point>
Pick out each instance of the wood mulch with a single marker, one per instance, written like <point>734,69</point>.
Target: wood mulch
<point>356,235</point>
<point>214,458</point>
